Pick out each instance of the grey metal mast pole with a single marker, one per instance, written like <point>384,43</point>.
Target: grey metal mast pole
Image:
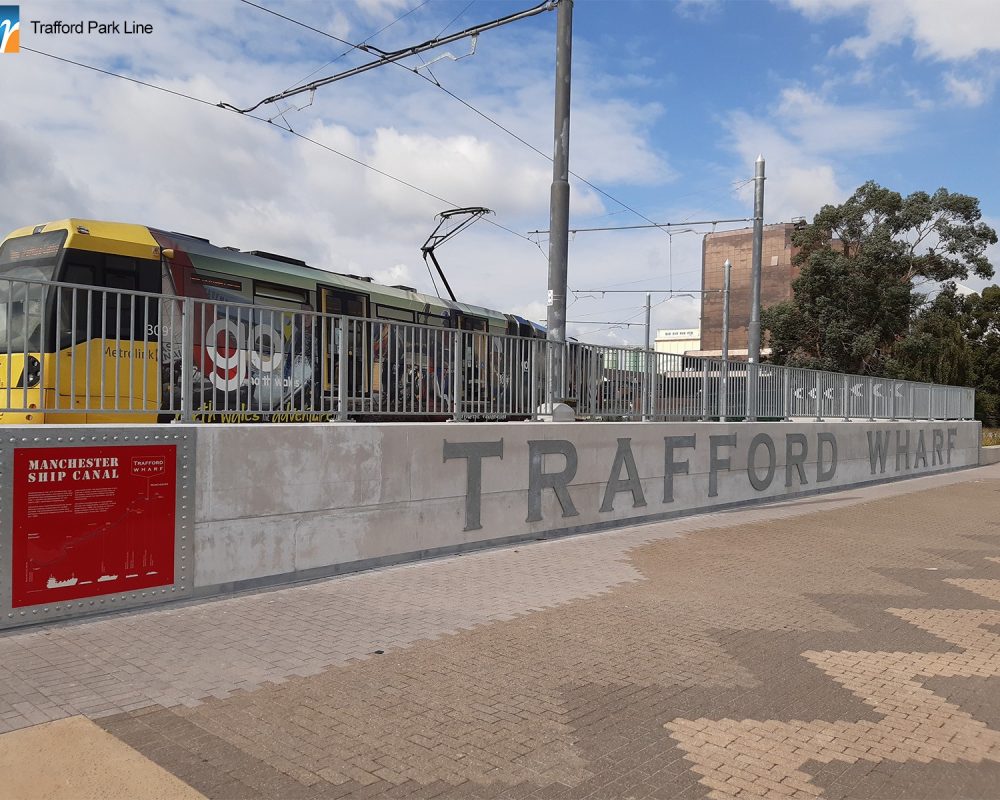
<point>724,393</point>
<point>647,360</point>
<point>649,301</point>
<point>728,268</point>
<point>559,204</point>
<point>753,338</point>
<point>758,245</point>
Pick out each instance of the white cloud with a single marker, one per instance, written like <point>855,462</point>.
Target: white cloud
<point>396,275</point>
<point>800,137</point>
<point>970,92</point>
<point>610,144</point>
<point>384,9</point>
<point>700,10</point>
<point>941,30</point>
<point>830,128</point>
<point>92,146</point>
<point>32,182</point>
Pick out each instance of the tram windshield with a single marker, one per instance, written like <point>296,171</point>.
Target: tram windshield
<point>22,260</point>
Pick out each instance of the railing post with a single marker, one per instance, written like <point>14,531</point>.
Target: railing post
<point>786,393</point>
<point>753,370</point>
<point>651,372</point>
<point>704,389</point>
<point>532,365</point>
<point>187,353</point>
<point>723,388</point>
<point>892,401</point>
<point>819,397</point>
<point>913,410</point>
<point>457,376</point>
<point>930,401</point>
<point>342,388</point>
<point>594,394</point>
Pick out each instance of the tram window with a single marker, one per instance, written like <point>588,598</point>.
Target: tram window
<point>74,313</point>
<point>127,315</point>
<point>284,296</point>
<point>77,315</point>
<point>345,303</point>
<point>111,314</point>
<point>390,312</point>
<point>467,323</point>
<point>432,319</point>
<point>81,267</point>
<point>121,273</point>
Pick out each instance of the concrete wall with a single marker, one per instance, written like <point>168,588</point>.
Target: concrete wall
<point>274,503</point>
<point>989,455</point>
<point>283,502</point>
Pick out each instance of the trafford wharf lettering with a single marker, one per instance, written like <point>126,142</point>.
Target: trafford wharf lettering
<point>899,450</point>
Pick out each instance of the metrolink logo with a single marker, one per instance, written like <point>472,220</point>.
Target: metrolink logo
<point>10,29</point>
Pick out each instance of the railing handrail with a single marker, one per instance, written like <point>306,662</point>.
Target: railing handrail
<point>415,368</point>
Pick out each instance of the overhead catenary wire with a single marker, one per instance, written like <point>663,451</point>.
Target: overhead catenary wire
<point>183,95</point>
<point>641,291</point>
<point>435,82</point>
<point>605,322</point>
<point>452,21</point>
<point>117,75</point>
<point>609,310</point>
<point>729,188</point>
<point>351,47</point>
<point>303,24</point>
<point>298,135</point>
<point>651,225</point>
<point>389,57</point>
<point>626,322</point>
<point>652,278</point>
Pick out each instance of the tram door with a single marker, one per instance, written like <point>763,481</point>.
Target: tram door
<point>475,355</point>
<point>108,343</point>
<point>349,304</point>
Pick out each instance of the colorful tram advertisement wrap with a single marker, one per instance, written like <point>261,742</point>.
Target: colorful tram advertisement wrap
<point>114,322</point>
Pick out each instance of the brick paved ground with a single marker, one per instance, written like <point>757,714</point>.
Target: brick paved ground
<point>837,646</point>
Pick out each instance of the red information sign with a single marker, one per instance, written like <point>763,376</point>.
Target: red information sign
<point>91,521</point>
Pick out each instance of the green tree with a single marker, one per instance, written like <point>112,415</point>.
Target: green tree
<point>940,345</point>
<point>862,263</point>
<point>956,340</point>
<point>983,332</point>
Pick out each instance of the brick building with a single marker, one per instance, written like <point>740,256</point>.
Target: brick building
<point>777,274</point>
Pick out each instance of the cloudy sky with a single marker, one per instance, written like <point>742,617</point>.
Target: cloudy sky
<point>672,101</point>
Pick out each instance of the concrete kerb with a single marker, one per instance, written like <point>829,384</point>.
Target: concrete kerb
<point>989,454</point>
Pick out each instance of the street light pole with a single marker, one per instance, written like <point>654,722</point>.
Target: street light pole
<point>728,269</point>
<point>753,354</point>
<point>753,344</point>
<point>647,359</point>
<point>724,388</point>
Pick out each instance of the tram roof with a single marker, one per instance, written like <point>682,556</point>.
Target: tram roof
<point>312,275</point>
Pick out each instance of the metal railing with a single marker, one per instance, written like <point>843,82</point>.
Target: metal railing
<point>76,353</point>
